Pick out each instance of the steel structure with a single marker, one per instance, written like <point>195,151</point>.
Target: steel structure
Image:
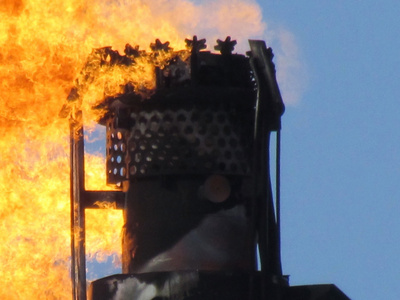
<point>195,153</point>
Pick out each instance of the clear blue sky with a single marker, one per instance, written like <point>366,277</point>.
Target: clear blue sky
<point>339,63</point>
<point>340,146</point>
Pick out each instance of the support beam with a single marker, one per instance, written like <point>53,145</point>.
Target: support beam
<point>78,261</point>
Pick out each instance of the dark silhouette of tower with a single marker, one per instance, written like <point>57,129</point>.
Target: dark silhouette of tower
<point>193,167</point>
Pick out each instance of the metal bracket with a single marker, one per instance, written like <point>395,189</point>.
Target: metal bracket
<point>80,200</point>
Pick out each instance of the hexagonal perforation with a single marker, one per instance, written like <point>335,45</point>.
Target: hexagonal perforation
<point>195,141</point>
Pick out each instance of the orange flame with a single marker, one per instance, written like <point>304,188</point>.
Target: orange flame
<point>43,47</point>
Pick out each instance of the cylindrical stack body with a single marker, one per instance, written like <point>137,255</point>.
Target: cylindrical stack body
<point>184,158</point>
<point>180,160</point>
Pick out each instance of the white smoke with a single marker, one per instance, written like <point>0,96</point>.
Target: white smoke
<point>291,70</point>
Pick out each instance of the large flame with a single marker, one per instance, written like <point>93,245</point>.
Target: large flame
<point>43,48</point>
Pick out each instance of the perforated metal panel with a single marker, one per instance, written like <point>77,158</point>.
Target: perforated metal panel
<point>116,153</point>
<point>191,140</point>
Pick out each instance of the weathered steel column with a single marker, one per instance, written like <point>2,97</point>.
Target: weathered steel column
<point>78,261</point>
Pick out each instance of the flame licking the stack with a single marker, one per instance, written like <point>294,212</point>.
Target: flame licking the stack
<point>44,45</point>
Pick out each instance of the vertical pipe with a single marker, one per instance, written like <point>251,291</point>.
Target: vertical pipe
<point>259,211</point>
<point>78,263</point>
<point>269,108</point>
<point>264,222</point>
<point>278,190</point>
<point>74,275</point>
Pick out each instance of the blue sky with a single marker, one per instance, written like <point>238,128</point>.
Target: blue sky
<point>340,145</point>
